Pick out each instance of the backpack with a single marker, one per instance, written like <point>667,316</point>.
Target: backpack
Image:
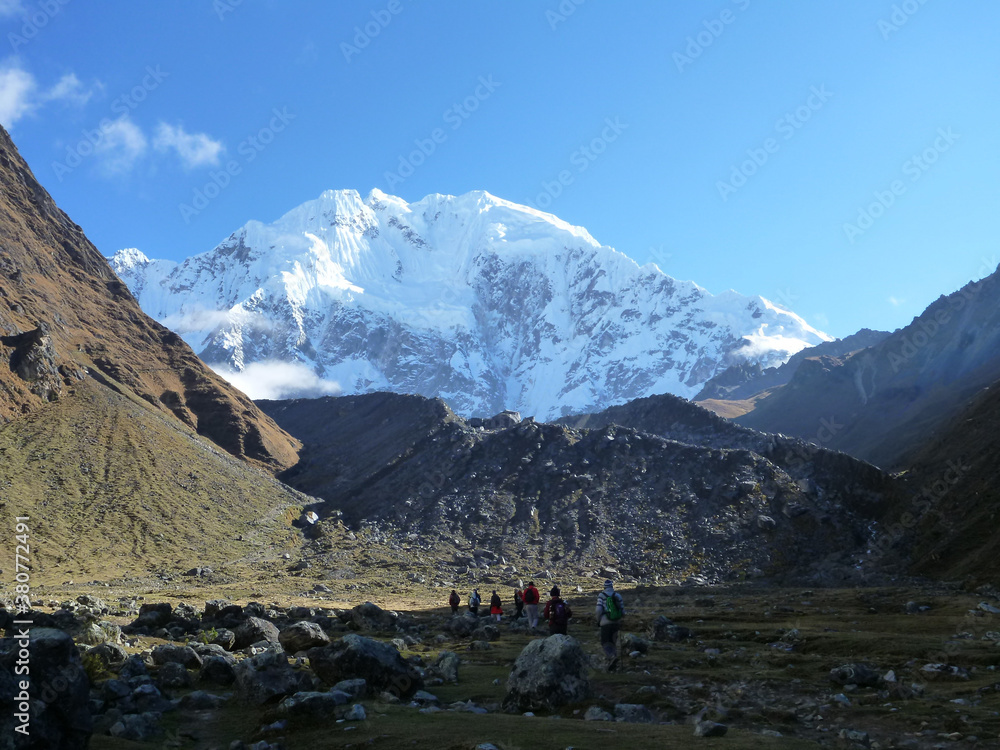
<point>531,596</point>
<point>613,608</point>
<point>474,600</point>
<point>560,613</point>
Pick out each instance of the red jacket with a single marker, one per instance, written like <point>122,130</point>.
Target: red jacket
<point>531,595</point>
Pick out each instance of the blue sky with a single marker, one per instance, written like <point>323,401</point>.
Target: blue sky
<point>841,159</point>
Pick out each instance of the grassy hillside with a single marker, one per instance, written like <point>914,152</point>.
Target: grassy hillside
<point>116,488</point>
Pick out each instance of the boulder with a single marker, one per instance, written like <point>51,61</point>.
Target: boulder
<point>596,713</point>
<point>218,670</point>
<point>629,642</point>
<point>356,688</point>
<point>266,677</point>
<point>153,615</point>
<point>633,713</point>
<point>108,655</point>
<point>253,630</point>
<point>380,664</point>
<point>664,629</point>
<point>446,665</point>
<point>174,675</point>
<point>549,672</point>
<point>369,616</point>
<point>312,703</point>
<point>707,728</point>
<point>302,636</point>
<point>855,674</point>
<point>60,694</point>
<point>184,655</point>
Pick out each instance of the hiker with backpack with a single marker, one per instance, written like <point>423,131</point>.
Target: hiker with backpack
<point>474,601</point>
<point>518,604</point>
<point>454,601</point>
<point>610,611</point>
<point>496,608</point>
<point>557,612</point>
<point>531,600</point>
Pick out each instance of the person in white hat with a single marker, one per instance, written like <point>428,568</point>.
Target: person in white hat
<point>610,612</point>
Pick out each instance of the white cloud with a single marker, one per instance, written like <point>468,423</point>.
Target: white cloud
<point>69,89</point>
<point>20,95</point>
<point>278,380</point>
<point>122,145</point>
<point>17,92</point>
<point>895,302</point>
<point>10,8</point>
<point>195,149</point>
<point>202,319</point>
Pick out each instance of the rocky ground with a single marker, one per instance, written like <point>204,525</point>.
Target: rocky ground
<point>889,667</point>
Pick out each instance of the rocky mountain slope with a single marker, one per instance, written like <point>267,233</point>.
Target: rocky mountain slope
<point>946,517</point>
<point>487,304</point>
<point>65,316</point>
<point>549,494</point>
<point>883,402</point>
<point>748,379</point>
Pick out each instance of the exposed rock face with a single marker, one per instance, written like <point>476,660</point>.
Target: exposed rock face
<point>737,501</point>
<point>254,630</point>
<point>379,664</point>
<point>882,402</point>
<point>550,672</point>
<point>64,316</point>
<point>746,379</point>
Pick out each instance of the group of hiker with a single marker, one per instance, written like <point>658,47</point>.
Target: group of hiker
<point>608,613</point>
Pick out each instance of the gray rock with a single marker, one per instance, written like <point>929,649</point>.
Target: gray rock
<point>664,629</point>
<point>356,713</point>
<point>253,630</point>
<point>633,713</point>
<point>447,664</point>
<point>139,727</point>
<point>153,615</point>
<point>379,664</point>
<point>710,729</point>
<point>855,674</point>
<point>185,655</point>
<point>486,633</point>
<point>109,655</point>
<point>630,642</point>
<point>100,632</point>
<point>267,676</point>
<point>218,670</point>
<point>313,703</point>
<point>856,737</point>
<point>59,714</point>
<point>548,673</point>
<point>302,636</point>
<point>989,608</point>
<point>596,713</point>
<point>174,675</point>
<point>356,688</point>
<point>369,616</point>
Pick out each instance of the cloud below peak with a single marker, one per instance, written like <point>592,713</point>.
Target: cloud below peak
<point>272,379</point>
<point>194,149</point>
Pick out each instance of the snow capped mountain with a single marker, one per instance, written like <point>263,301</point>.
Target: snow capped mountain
<point>488,304</point>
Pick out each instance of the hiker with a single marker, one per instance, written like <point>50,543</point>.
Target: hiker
<point>557,612</point>
<point>518,604</point>
<point>474,600</point>
<point>531,604</point>
<point>454,601</point>
<point>610,611</point>
<point>496,609</point>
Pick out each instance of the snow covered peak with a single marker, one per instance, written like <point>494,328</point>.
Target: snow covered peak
<point>488,304</point>
<point>128,258</point>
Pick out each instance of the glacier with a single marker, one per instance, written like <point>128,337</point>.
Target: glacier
<point>488,304</point>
